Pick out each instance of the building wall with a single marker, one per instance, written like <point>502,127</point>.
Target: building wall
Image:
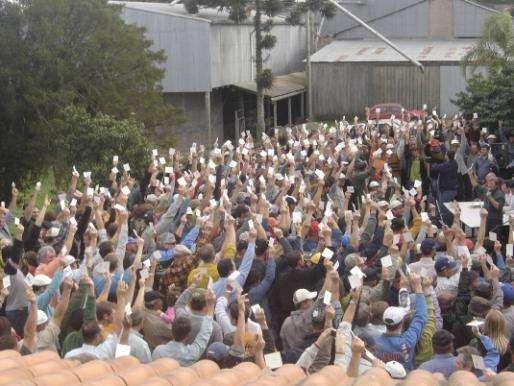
<point>452,82</point>
<point>469,20</point>
<point>185,42</point>
<point>233,50</point>
<point>440,19</point>
<point>195,127</point>
<point>393,18</point>
<point>410,19</point>
<point>346,88</point>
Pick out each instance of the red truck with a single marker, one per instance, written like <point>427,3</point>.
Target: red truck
<point>385,110</point>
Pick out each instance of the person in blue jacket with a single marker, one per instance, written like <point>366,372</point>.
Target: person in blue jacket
<point>398,344</point>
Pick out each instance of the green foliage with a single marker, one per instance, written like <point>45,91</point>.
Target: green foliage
<point>268,42</point>
<point>265,79</point>
<point>496,46</point>
<point>60,53</point>
<point>491,97</point>
<point>97,138</point>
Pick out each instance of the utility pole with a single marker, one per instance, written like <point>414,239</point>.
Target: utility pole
<point>309,68</point>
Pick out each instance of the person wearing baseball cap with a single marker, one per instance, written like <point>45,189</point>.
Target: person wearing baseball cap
<point>298,324</point>
<point>399,343</point>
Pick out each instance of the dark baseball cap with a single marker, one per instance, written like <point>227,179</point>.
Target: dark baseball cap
<point>428,245</point>
<point>444,264</point>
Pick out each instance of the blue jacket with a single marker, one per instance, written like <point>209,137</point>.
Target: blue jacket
<point>401,348</point>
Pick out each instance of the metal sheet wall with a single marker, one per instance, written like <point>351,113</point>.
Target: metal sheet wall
<point>186,44</point>
<point>394,18</point>
<point>233,46</point>
<point>452,82</point>
<point>469,19</point>
<point>346,88</point>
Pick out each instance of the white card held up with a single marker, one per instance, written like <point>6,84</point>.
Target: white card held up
<point>417,184</point>
<point>125,190</point>
<point>336,266</point>
<point>493,236</point>
<point>356,271</point>
<point>475,323</point>
<point>319,173</point>
<point>234,275</point>
<point>168,169</point>
<point>115,160</point>
<point>128,309</point>
<point>87,174</point>
<point>355,281</point>
<point>155,153</point>
<point>16,221</point>
<point>351,189</point>
<point>327,253</point>
<point>28,279</point>
<point>126,167</point>
<point>424,216</point>
<point>478,362</point>
<point>162,160</point>
<point>73,221</point>
<point>114,170</point>
<point>386,261</point>
<point>273,360</point>
<point>6,281</point>
<point>182,181</point>
<point>327,298</point>
<point>122,350</point>
<point>508,250</point>
<point>297,217</point>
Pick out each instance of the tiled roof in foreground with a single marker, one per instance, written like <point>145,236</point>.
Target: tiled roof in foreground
<point>47,369</point>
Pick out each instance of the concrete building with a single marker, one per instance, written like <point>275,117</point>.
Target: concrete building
<point>210,67</point>
<point>356,70</point>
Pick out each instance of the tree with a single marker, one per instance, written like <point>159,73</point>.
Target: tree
<point>492,97</point>
<point>105,136</point>
<point>239,10</point>
<point>495,48</point>
<point>60,53</point>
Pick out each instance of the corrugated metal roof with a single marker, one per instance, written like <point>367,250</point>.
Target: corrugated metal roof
<point>210,15</point>
<point>284,86</point>
<point>377,51</point>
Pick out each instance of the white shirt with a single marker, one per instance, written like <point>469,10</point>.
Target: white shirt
<point>105,350</point>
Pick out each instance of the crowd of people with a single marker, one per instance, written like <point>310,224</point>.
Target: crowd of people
<point>310,245</point>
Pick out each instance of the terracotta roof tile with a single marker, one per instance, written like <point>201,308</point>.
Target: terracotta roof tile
<point>463,378</point>
<point>227,377</point>
<point>156,381</point>
<point>15,374</point>
<point>123,363</point>
<point>248,371</point>
<point>9,354</point>
<point>182,376</point>
<point>44,356</point>
<point>137,374</point>
<point>205,368</point>
<point>106,380</point>
<point>291,372</point>
<point>91,370</point>
<point>163,366</point>
<point>61,378</point>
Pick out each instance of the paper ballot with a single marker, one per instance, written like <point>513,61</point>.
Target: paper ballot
<point>273,360</point>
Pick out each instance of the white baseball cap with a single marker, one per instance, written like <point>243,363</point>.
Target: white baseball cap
<point>42,318</point>
<point>394,315</point>
<point>395,204</point>
<point>302,294</point>
<point>41,280</point>
<point>374,184</point>
<point>68,260</point>
<point>395,370</point>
